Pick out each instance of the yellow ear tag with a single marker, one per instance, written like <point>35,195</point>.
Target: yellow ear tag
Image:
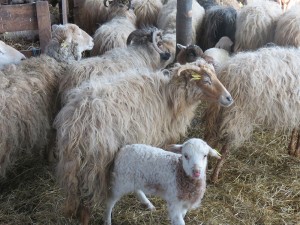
<point>219,154</point>
<point>64,44</point>
<point>195,76</point>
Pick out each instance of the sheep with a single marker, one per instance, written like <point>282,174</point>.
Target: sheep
<point>142,51</point>
<point>167,18</point>
<point>180,179</point>
<point>147,12</point>
<point>287,4</point>
<point>218,21</point>
<point>28,97</point>
<point>114,33</point>
<point>255,25</point>
<point>9,55</point>
<point>265,86</point>
<point>137,106</point>
<point>287,31</point>
<point>206,4</point>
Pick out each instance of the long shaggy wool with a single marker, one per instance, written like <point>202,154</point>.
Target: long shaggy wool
<point>91,14</point>
<point>167,18</point>
<point>255,25</point>
<point>27,107</point>
<point>117,60</point>
<point>106,113</point>
<point>265,86</point>
<point>218,21</point>
<point>114,32</point>
<point>287,31</point>
<point>146,12</point>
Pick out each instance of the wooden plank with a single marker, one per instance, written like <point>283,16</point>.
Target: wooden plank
<point>30,53</point>
<point>44,23</point>
<point>18,17</point>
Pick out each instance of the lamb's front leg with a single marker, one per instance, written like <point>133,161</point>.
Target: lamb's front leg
<point>176,213</point>
<point>144,200</point>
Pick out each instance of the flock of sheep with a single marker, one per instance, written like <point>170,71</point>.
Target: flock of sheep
<point>107,120</point>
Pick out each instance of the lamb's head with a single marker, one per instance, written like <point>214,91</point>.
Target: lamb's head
<point>200,82</point>
<point>71,39</point>
<point>194,156</point>
<point>9,55</point>
<point>188,53</point>
<point>155,40</point>
<point>225,43</point>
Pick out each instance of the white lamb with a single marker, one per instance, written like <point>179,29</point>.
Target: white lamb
<point>178,179</point>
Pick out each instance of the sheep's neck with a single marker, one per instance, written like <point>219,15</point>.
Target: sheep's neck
<point>189,189</point>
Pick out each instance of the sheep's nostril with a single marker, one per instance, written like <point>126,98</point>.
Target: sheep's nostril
<point>229,99</point>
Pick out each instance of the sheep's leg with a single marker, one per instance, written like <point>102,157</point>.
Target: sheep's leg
<point>176,214</point>
<point>112,200</point>
<point>297,149</point>
<point>144,200</point>
<point>215,175</point>
<point>293,142</point>
<point>84,214</point>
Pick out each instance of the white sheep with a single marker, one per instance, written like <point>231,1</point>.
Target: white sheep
<point>114,33</point>
<point>9,55</point>
<point>265,86</point>
<point>255,25</point>
<point>180,179</point>
<point>146,48</point>
<point>29,94</point>
<point>146,12</point>
<point>137,106</point>
<point>287,31</point>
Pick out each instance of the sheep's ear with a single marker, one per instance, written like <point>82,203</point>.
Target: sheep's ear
<point>214,153</point>
<point>174,148</point>
<point>181,46</point>
<point>54,27</point>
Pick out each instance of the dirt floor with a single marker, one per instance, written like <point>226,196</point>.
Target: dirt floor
<point>259,185</point>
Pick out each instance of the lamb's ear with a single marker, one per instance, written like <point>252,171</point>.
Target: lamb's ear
<point>214,153</point>
<point>54,27</point>
<point>174,148</point>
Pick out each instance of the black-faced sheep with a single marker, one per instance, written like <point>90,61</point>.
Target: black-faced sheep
<point>114,33</point>
<point>265,86</point>
<point>287,31</point>
<point>146,48</point>
<point>219,21</point>
<point>255,25</point>
<point>28,96</point>
<point>9,55</point>
<point>137,106</point>
<point>180,179</point>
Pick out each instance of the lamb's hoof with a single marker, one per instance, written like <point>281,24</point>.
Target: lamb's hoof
<point>149,207</point>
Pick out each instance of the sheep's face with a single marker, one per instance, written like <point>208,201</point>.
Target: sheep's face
<point>194,157</point>
<point>188,53</point>
<point>203,84</point>
<point>9,55</point>
<point>72,35</point>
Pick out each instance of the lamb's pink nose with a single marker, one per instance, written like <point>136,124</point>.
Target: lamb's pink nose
<point>196,173</point>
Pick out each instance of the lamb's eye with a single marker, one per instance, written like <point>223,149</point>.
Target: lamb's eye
<point>204,156</point>
<point>186,156</point>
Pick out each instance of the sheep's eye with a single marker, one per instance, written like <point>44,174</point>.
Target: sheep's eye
<point>186,156</point>
<point>207,80</point>
<point>159,43</point>
<point>205,156</point>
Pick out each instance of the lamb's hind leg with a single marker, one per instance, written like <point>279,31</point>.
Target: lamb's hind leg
<point>293,142</point>
<point>144,200</point>
<point>297,149</point>
<point>110,203</point>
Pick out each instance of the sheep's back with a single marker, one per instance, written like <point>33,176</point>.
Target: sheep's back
<point>265,87</point>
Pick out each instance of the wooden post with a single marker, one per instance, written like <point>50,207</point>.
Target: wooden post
<point>63,11</point>
<point>184,23</point>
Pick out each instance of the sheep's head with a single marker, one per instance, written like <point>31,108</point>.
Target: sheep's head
<point>71,37</point>
<point>201,83</point>
<point>9,55</point>
<point>119,3</point>
<point>161,45</point>
<point>194,156</point>
<point>188,53</point>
